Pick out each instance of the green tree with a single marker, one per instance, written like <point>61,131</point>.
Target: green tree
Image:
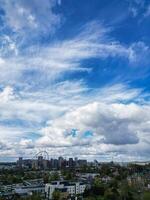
<point>56,195</point>
<point>98,188</point>
<point>54,176</point>
<point>146,196</point>
<point>111,194</point>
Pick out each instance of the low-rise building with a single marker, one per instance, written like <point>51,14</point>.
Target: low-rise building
<point>23,189</point>
<point>73,188</point>
<point>86,176</point>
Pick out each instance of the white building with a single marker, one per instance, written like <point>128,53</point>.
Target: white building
<point>86,176</point>
<point>29,187</point>
<point>73,188</point>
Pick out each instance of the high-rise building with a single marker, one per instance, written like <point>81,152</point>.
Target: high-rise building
<point>82,163</point>
<point>60,162</point>
<point>76,161</point>
<point>20,162</point>
<point>40,162</point>
<point>71,162</point>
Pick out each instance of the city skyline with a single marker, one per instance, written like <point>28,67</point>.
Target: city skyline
<point>75,79</point>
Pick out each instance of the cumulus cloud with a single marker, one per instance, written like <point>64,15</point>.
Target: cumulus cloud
<point>40,110</point>
<point>75,116</point>
<point>69,112</point>
<point>108,123</point>
<point>71,115</point>
<point>115,130</point>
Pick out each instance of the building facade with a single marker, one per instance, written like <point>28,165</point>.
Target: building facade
<point>73,188</point>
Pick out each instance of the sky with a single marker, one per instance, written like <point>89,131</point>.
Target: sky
<point>75,79</point>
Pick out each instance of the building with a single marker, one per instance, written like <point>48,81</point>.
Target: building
<point>60,162</point>
<point>72,188</point>
<point>76,162</point>
<point>20,162</point>
<point>71,162</point>
<point>24,189</point>
<point>82,163</point>
<point>28,190</point>
<point>40,163</point>
<point>87,176</point>
<point>8,166</point>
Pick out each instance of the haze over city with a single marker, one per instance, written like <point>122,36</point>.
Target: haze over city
<point>75,79</point>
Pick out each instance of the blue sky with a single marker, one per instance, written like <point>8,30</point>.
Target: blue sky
<point>74,78</point>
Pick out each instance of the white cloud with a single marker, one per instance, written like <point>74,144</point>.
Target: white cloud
<point>26,143</point>
<point>33,102</point>
<point>31,111</point>
<point>118,129</point>
<point>38,64</point>
<point>117,92</point>
<point>109,123</point>
<point>6,94</point>
<point>57,99</point>
<point>139,53</point>
<point>72,105</point>
<point>32,17</point>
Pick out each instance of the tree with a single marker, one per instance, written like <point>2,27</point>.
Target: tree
<point>111,194</point>
<point>127,192</point>
<point>98,187</point>
<point>146,196</point>
<point>56,195</point>
<point>46,178</point>
<point>54,176</point>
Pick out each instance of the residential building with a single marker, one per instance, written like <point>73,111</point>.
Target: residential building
<point>73,188</point>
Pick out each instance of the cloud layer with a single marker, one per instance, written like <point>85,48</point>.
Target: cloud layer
<point>47,98</point>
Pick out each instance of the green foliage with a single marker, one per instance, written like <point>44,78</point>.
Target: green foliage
<point>69,174</point>
<point>46,178</point>
<point>97,190</point>
<point>33,197</point>
<point>56,195</point>
<point>146,195</point>
<point>54,176</point>
<point>114,190</point>
<point>111,194</point>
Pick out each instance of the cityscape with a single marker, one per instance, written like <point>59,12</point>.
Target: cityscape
<point>73,178</point>
<point>74,99</point>
<point>44,164</point>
